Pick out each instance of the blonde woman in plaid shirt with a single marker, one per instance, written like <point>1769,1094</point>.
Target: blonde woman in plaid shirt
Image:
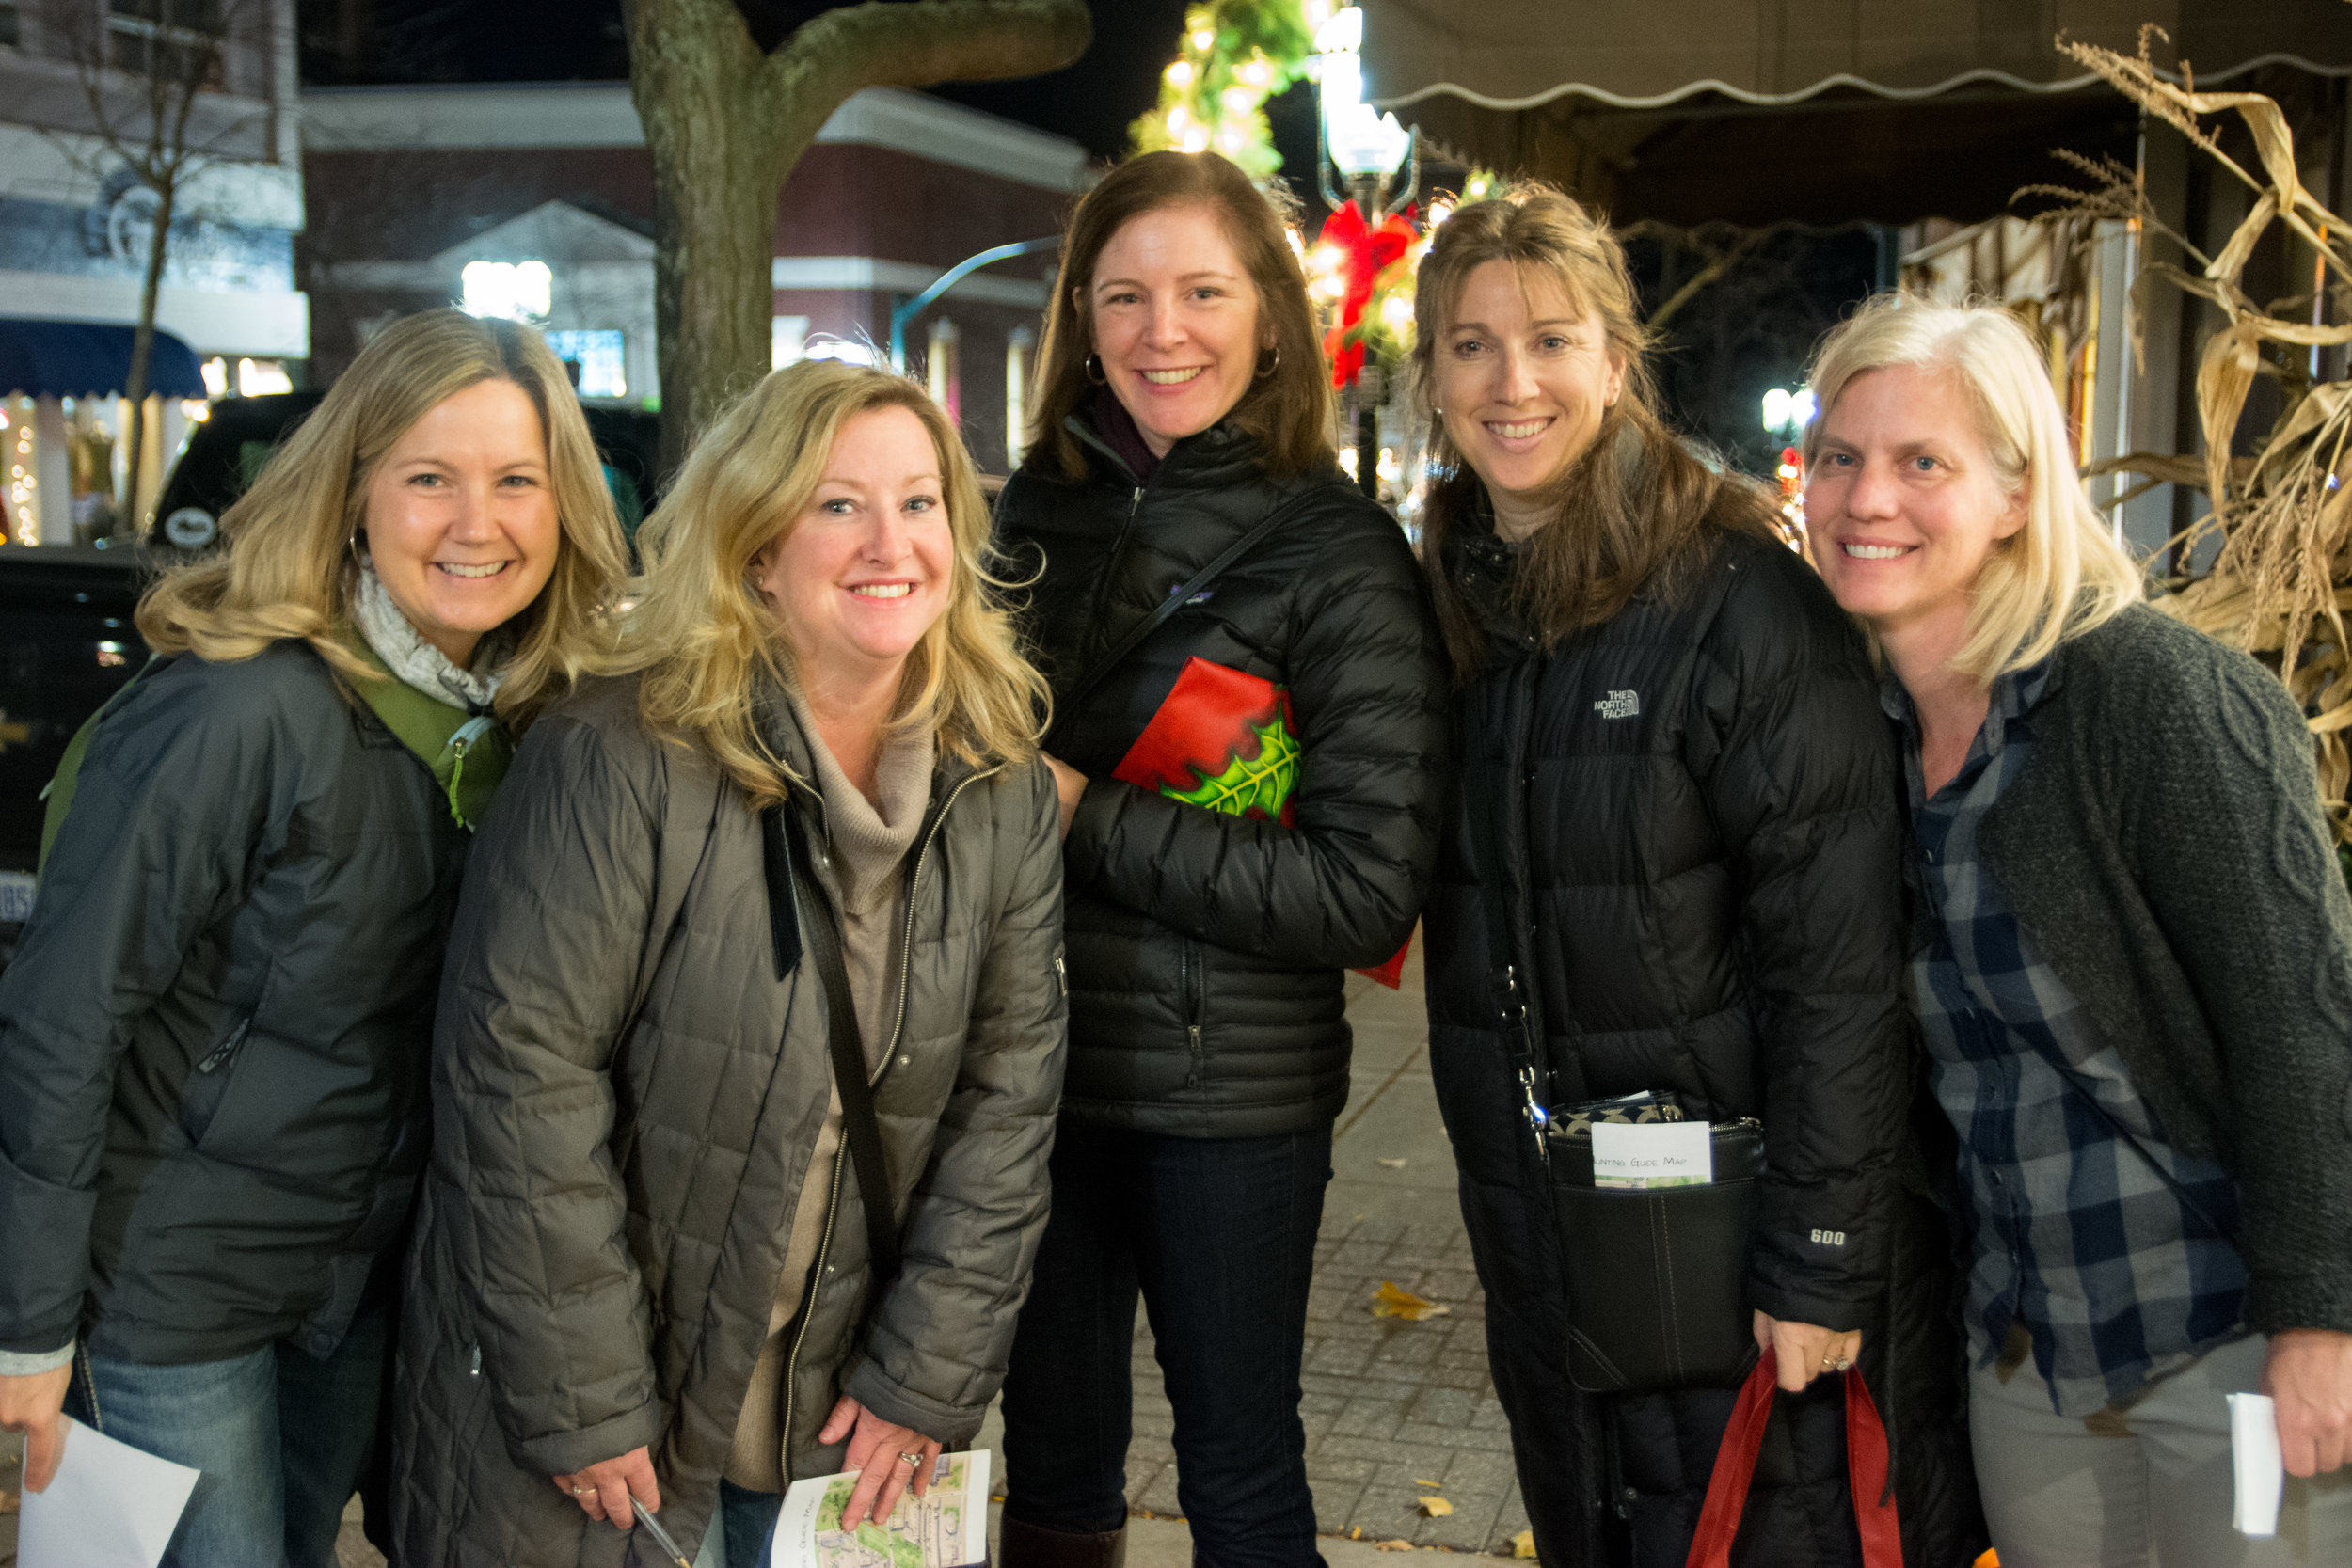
<point>2131,956</point>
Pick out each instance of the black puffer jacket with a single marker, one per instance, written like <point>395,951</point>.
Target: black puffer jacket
<point>213,1039</point>
<point>1206,951</point>
<point>1696,803</point>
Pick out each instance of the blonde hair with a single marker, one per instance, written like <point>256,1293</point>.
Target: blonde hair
<point>1632,507</point>
<point>701,632</point>
<point>2062,573</point>
<point>291,566</point>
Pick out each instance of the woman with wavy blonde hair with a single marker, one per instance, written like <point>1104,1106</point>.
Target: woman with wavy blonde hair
<point>212,1036</point>
<point>749,1052</point>
<point>2132,962</point>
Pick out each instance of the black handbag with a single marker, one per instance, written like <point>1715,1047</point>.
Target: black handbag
<point>1656,1279</point>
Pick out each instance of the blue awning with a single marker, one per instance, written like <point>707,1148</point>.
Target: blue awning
<point>73,360</point>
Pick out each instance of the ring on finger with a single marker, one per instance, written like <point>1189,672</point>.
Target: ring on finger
<point>916,1459</point>
<point>581,1491</point>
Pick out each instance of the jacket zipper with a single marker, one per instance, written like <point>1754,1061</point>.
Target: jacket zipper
<point>220,1053</point>
<point>1192,987</point>
<point>1135,504</point>
<point>841,1150</point>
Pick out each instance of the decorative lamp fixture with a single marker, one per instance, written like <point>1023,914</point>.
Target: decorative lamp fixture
<point>1365,144</point>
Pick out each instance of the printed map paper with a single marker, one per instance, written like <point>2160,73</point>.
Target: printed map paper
<point>948,1527</point>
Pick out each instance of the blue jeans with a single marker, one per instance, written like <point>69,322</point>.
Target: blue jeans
<point>1218,1237</point>
<point>747,1523</point>
<point>280,1435</point>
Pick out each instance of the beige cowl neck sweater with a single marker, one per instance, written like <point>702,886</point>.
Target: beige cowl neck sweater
<point>867,843</point>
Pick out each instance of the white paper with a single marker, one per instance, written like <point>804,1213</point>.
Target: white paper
<point>109,1506</point>
<point>2262,1474</point>
<point>1653,1154</point>
<point>948,1525</point>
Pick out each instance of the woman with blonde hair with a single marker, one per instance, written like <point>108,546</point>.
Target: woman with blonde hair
<point>213,1032</point>
<point>747,1052</point>
<point>1669,875</point>
<point>2131,954</point>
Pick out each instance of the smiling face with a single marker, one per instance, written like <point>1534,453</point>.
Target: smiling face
<point>1176,322</point>
<point>461,521</point>
<point>863,572</point>
<point>1904,504</point>
<point>1522,377</point>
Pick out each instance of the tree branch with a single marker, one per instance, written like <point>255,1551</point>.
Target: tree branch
<point>837,53</point>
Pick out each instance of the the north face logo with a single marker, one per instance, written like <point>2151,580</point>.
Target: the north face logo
<point>1619,705</point>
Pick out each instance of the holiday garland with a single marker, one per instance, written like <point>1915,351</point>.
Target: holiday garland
<point>1237,54</point>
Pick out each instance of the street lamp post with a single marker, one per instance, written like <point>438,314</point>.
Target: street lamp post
<point>1367,148</point>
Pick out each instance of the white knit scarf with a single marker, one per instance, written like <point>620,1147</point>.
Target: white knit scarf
<point>419,664</point>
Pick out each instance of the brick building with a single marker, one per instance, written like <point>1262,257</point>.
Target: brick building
<point>409,187</point>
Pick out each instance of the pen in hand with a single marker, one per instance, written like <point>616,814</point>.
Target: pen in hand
<point>661,1536</point>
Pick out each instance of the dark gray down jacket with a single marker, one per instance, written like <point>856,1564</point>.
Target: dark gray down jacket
<point>1699,839</point>
<point>606,1216</point>
<point>213,1039</point>
<point>1207,951</point>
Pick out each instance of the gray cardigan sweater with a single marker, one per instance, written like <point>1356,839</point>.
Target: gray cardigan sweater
<point>2166,851</point>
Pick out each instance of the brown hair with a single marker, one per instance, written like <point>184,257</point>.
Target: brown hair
<point>290,569</point>
<point>702,632</point>
<point>1631,508</point>
<point>1289,410</point>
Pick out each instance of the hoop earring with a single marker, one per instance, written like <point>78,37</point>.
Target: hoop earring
<point>1094,367</point>
<point>1265,370</point>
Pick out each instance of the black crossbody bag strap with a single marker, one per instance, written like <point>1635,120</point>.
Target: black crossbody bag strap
<point>1177,598</point>
<point>786,852</point>
<point>1521,1038</point>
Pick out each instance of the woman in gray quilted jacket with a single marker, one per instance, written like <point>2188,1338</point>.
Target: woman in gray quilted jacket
<point>668,1259</point>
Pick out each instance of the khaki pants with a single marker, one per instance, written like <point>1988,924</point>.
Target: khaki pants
<point>2149,1484</point>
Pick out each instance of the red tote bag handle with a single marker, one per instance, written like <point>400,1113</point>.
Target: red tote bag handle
<point>1734,1468</point>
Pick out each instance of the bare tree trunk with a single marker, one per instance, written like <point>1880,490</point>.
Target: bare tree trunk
<point>725,123</point>
<point>142,352</point>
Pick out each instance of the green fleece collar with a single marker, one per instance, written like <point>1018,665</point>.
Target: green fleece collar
<point>467,753</point>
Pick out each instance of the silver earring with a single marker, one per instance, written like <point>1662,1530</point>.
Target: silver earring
<point>1094,371</point>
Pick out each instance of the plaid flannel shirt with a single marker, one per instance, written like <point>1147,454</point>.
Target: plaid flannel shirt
<point>2117,1275</point>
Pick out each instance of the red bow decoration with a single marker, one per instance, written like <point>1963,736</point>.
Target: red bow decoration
<point>1369,249</point>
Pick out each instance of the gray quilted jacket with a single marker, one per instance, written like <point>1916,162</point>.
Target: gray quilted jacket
<point>605,1218</point>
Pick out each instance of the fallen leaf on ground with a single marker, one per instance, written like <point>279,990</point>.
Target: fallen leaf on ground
<point>7,1501</point>
<point>1399,1544</point>
<point>1356,1534</point>
<point>1434,1508</point>
<point>1417,1482</point>
<point>1390,1302</point>
<point>1397,1164</point>
<point>1523,1544</point>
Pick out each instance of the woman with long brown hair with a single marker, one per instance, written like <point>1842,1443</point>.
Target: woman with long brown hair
<point>1248,736</point>
<point>212,1037</point>
<point>1671,873</point>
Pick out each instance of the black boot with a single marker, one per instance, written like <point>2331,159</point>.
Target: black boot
<point>1035,1546</point>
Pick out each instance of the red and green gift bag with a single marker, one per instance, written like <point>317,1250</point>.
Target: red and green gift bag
<point>1226,740</point>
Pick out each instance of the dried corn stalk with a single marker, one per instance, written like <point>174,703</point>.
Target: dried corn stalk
<point>2282,580</point>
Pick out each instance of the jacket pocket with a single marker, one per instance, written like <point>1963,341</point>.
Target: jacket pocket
<point>207,1081</point>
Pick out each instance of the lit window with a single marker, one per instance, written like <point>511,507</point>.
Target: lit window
<point>596,360</point>
<point>786,336</point>
<point>519,291</point>
<point>215,372</point>
<point>260,378</point>
<point>830,347</point>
